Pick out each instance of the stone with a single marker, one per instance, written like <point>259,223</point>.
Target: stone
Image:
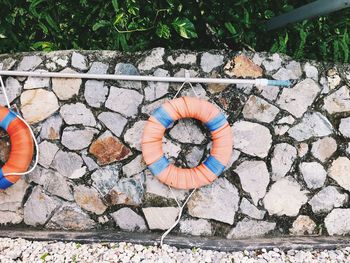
<point>197,91</point>
<point>211,202</point>
<point>156,90</point>
<point>185,59</point>
<point>98,68</point>
<point>90,163</point>
<point>7,63</point>
<point>47,151</point>
<point>150,108</point>
<point>268,92</point>
<point>104,179</point>
<point>337,222</point>
<point>154,59</point>
<point>38,104</point>
<point>286,120</point>
<point>29,63</point>
<point>171,148</point>
<point>303,225</point>
<point>311,71</point>
<point>259,109</point>
<point>11,199</point>
<point>312,125</point>
<point>95,93</point>
<point>199,227</point>
<point>281,129</point>
<point>79,61</point>
<point>291,71</point>
<point>13,90</point>
<point>324,148</point>
<point>273,62</point>
<point>136,166</point>
<point>8,217</point>
<point>56,184</point>
<point>338,101</point>
<point>283,157</point>
<point>299,98</point>
<point>160,217</point>
<point>89,199</point>
<point>285,197</point>
<point>39,207</point>
<point>241,66</point>
<point>194,156</point>
<point>128,106</point>
<point>333,78</point>
<point>128,191</point>
<point>210,61</point>
<point>234,157</point>
<point>108,149</point>
<point>75,138</point>
<point>313,173</point>
<point>254,178</point>
<point>344,127</point>
<point>51,128</point>
<point>67,163</point>
<point>128,69</point>
<point>128,220</point>
<point>133,135</point>
<point>77,113</point>
<point>70,217</point>
<point>37,82</point>
<point>303,149</point>
<point>251,228</point>
<point>327,199</point>
<point>5,147</point>
<point>186,131</point>
<point>113,121</point>
<point>252,138</point>
<point>250,210</point>
<point>339,171</point>
<point>66,88</point>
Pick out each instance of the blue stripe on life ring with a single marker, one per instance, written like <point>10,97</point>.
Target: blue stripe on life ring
<point>163,117</point>
<point>158,166</point>
<point>217,122</point>
<point>5,123</point>
<point>4,183</point>
<point>214,165</point>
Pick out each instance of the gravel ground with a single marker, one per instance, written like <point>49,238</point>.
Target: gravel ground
<point>20,250</point>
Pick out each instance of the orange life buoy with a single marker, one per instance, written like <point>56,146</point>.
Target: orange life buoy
<point>22,147</point>
<point>220,153</point>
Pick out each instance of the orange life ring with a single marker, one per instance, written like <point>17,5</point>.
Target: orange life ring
<point>22,147</point>
<point>212,167</point>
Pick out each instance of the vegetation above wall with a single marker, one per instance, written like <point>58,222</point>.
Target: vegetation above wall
<point>132,25</point>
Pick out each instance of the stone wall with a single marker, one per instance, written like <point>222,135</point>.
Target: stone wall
<point>289,172</point>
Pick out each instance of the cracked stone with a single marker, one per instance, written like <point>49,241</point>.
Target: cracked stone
<point>259,109</point>
<point>199,227</point>
<point>185,59</point>
<point>104,179</point>
<point>128,69</point>
<point>75,138</point>
<point>251,228</point>
<point>254,178</point>
<point>128,106</point>
<point>66,88</point>
<point>160,217</point>
<point>13,90</point>
<point>154,59</point>
<point>344,127</point>
<point>303,225</point>
<point>51,127</point>
<point>186,131</point>
<point>299,98</point>
<point>108,149</point>
<point>29,63</point>
<point>338,101</point>
<point>337,222</point>
<point>211,202</point>
<point>67,163</point>
<point>156,90</point>
<point>252,138</point>
<point>133,135</point>
<point>56,184</point>
<point>210,61</point>
<point>339,171</point>
<point>113,121</point>
<point>312,125</point>
<point>89,199</point>
<point>241,66</point>
<point>311,71</point>
<point>272,63</point>
<point>127,192</point>
<point>313,173</point>
<point>36,83</point>
<point>251,210</point>
<point>128,220</point>
<point>327,199</point>
<point>47,151</point>
<point>38,104</point>
<point>95,93</point>
<point>98,68</point>
<point>136,166</point>
<point>282,160</point>
<point>285,197</point>
<point>79,61</point>
<point>77,113</point>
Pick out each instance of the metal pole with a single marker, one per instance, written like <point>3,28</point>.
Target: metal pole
<point>258,82</point>
<point>317,8</point>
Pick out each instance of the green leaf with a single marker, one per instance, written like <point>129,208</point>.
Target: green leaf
<point>115,5</point>
<point>231,28</point>
<point>100,24</point>
<point>43,256</point>
<point>185,28</point>
<point>163,31</point>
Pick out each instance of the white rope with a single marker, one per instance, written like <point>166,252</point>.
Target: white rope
<point>30,129</point>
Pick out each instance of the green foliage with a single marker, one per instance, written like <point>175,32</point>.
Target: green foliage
<point>132,25</point>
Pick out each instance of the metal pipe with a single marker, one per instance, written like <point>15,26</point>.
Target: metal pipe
<point>317,8</point>
<point>259,82</point>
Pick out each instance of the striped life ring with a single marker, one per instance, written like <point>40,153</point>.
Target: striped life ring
<point>220,153</point>
<point>22,147</point>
